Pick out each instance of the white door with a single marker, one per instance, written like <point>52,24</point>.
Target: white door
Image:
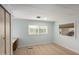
<point>2,32</point>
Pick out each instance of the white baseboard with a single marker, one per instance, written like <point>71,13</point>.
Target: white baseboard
<point>68,48</point>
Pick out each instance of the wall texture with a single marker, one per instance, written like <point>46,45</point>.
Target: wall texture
<point>20,30</point>
<point>65,41</point>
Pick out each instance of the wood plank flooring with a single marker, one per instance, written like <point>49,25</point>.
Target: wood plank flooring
<point>45,49</point>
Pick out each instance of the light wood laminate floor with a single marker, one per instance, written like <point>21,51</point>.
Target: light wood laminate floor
<point>44,49</point>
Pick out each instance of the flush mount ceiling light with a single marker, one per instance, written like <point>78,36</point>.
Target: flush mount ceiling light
<point>38,17</point>
<point>41,18</point>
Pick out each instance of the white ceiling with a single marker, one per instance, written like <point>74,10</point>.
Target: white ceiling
<point>48,12</point>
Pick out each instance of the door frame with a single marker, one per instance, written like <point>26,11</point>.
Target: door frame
<point>5,28</point>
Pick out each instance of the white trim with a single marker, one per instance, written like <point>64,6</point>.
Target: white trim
<point>76,51</point>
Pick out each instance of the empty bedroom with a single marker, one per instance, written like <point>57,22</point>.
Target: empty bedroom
<point>43,29</point>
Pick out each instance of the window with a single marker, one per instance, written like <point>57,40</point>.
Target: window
<point>33,30</point>
<point>36,30</point>
<point>67,29</point>
<point>43,29</point>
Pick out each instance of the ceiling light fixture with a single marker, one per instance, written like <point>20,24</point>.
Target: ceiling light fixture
<point>38,17</point>
<point>41,18</point>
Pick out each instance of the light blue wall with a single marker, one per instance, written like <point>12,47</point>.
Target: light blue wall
<point>71,43</point>
<point>20,30</point>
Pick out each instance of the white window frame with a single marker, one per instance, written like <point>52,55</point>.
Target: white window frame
<point>35,29</point>
<point>44,28</point>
